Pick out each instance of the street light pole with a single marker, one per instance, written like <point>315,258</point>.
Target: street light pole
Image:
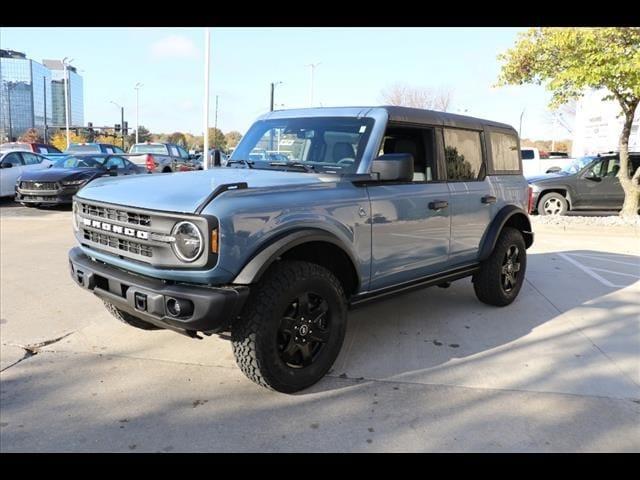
<point>9,88</point>
<point>137,88</point>
<point>65,62</point>
<point>520,129</point>
<point>205,153</point>
<point>313,69</point>
<point>121,120</point>
<point>273,88</point>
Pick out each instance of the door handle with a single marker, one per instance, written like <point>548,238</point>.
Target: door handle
<point>488,199</point>
<point>438,205</point>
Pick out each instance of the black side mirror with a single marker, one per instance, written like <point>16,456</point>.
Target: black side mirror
<point>113,170</point>
<point>6,165</point>
<point>393,167</point>
<point>590,175</point>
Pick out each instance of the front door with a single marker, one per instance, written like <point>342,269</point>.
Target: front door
<point>599,186</point>
<point>410,221</point>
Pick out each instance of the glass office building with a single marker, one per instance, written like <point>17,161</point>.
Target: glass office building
<point>25,95</point>
<point>76,97</point>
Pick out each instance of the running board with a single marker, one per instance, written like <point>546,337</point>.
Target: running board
<point>428,281</point>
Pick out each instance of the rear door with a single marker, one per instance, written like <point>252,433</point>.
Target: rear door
<point>472,196</point>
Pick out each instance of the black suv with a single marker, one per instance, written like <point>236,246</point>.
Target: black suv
<point>589,183</point>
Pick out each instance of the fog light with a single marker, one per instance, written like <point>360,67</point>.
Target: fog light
<point>177,307</point>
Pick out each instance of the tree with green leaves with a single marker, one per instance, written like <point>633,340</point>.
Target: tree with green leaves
<point>233,138</point>
<point>178,138</point>
<point>570,60</point>
<point>217,139</point>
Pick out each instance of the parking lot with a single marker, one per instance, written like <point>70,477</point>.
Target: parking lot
<point>433,370</point>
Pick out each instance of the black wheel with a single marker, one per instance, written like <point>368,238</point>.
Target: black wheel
<point>124,317</point>
<point>553,204</point>
<point>502,274</point>
<point>292,327</point>
<point>166,170</point>
<point>30,205</point>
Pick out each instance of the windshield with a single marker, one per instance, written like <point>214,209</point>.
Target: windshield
<point>324,144</point>
<point>79,162</point>
<point>83,148</point>
<point>149,148</point>
<point>577,165</point>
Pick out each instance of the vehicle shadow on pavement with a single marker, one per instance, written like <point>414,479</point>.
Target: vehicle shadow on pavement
<point>8,207</point>
<point>434,370</point>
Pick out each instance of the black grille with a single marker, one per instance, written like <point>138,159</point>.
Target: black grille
<point>39,185</point>
<point>115,214</point>
<point>119,243</point>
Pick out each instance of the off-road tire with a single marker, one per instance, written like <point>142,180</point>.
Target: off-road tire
<point>559,201</point>
<point>488,281</point>
<point>255,334</point>
<point>129,319</point>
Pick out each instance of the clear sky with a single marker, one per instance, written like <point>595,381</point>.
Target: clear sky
<point>356,64</point>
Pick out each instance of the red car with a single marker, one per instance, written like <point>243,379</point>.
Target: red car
<point>41,148</point>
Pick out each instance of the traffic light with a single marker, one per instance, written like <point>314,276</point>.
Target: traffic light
<point>125,128</point>
<point>116,128</point>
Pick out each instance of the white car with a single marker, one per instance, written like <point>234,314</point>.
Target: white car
<point>13,164</point>
<point>533,163</point>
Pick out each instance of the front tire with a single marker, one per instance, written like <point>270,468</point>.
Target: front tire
<point>502,274</point>
<point>553,204</point>
<point>292,327</point>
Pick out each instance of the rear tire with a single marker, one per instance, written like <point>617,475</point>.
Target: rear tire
<point>30,205</point>
<point>130,320</point>
<point>292,327</point>
<point>553,204</point>
<point>502,274</point>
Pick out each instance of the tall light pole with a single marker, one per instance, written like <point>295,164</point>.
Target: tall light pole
<point>121,120</point>
<point>215,121</point>
<point>65,63</point>
<point>313,69</point>
<point>137,88</point>
<point>520,130</point>
<point>207,44</point>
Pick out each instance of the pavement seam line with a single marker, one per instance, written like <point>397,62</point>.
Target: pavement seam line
<point>579,328</point>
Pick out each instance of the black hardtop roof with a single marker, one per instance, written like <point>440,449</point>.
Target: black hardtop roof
<point>418,115</point>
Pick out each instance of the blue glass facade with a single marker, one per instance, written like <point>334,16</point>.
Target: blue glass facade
<point>32,96</point>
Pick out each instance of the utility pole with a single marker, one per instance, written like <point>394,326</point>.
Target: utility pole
<point>215,121</point>
<point>44,84</point>
<point>137,88</point>
<point>65,62</point>
<point>205,153</point>
<point>9,88</point>
<point>122,125</point>
<point>313,69</point>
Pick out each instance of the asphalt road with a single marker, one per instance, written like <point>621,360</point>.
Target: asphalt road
<point>434,370</point>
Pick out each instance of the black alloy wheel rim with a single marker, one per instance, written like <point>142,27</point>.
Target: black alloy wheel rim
<point>510,269</point>
<point>304,330</point>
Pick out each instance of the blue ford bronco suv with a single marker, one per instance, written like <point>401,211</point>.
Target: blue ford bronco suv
<point>361,203</point>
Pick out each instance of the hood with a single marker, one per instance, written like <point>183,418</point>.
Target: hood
<point>59,174</point>
<point>546,177</point>
<point>185,191</point>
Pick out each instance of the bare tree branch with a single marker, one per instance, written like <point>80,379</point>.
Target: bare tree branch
<point>405,95</point>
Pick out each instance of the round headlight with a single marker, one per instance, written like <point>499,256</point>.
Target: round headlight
<point>188,244</point>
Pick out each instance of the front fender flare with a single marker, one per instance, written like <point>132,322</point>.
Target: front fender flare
<point>509,212</point>
<point>260,262</point>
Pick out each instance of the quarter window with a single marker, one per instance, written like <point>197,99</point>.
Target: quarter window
<point>504,150</point>
<point>463,154</point>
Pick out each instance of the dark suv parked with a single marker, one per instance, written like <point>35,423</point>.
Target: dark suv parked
<point>589,183</point>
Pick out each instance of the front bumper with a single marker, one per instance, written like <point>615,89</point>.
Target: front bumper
<point>61,196</point>
<point>214,308</point>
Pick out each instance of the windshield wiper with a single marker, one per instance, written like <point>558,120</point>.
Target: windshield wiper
<point>305,167</point>
<point>248,163</point>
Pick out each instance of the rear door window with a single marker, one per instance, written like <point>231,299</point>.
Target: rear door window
<point>504,150</point>
<point>463,155</point>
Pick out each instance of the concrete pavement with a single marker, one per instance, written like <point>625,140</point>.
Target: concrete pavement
<point>434,370</point>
